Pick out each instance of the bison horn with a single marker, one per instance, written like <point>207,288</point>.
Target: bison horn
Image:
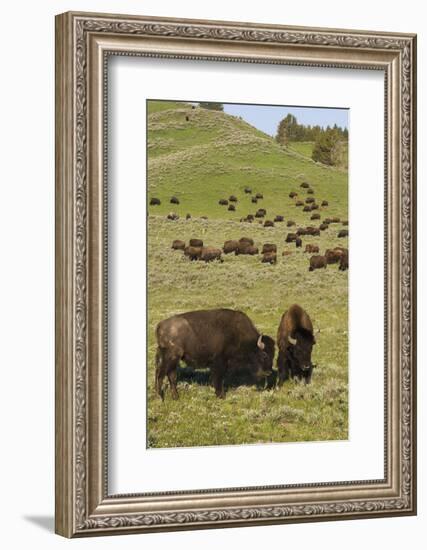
<point>260,343</point>
<point>292,341</point>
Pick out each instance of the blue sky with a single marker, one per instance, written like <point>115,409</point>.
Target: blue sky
<point>267,117</point>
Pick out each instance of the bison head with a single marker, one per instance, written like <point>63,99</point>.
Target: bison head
<point>262,359</point>
<point>299,354</point>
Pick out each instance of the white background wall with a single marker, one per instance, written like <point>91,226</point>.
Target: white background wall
<point>27,273</point>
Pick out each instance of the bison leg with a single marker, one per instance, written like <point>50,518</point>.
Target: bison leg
<point>160,372</point>
<point>172,377</point>
<point>166,364</point>
<point>218,375</point>
<point>283,368</point>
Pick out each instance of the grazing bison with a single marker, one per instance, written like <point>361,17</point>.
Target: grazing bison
<point>342,233</point>
<point>325,203</point>
<point>323,226</point>
<point>344,261</point>
<point>154,201</point>
<point>268,247</point>
<point>315,216</point>
<point>269,258</point>
<point>314,206</point>
<point>232,198</point>
<point>260,213</point>
<point>223,202</point>
<point>309,200</point>
<point>317,262</point>
<point>259,196</point>
<point>193,252</point>
<point>279,218</point>
<point>172,216</point>
<point>292,194</point>
<point>299,203</point>
<point>301,231</point>
<point>251,250</point>
<point>248,190</point>
<point>290,223</point>
<point>291,237</point>
<point>268,223</point>
<point>312,248</point>
<point>313,231</point>
<point>250,217</point>
<point>310,191</point>
<point>220,339</point>
<point>209,253</point>
<point>306,208</point>
<point>247,240</point>
<point>304,185</point>
<point>254,200</point>
<point>333,255</point>
<point>230,246</point>
<point>298,242</point>
<point>174,200</point>
<point>232,208</point>
<point>295,340</point>
<point>196,242</point>
<point>178,245</point>
<point>335,220</point>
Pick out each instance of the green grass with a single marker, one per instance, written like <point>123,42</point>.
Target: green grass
<point>211,156</point>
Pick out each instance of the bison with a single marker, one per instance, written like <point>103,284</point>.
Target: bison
<point>172,216</point>
<point>344,261</point>
<point>232,198</point>
<point>178,245</point>
<point>291,237</point>
<point>260,213</point>
<point>333,256</point>
<point>317,262</point>
<point>222,340</point>
<point>254,200</point>
<point>174,200</point>
<point>279,218</point>
<point>230,246</point>
<point>196,242</point>
<point>323,226</point>
<point>295,340</point>
<point>248,190</point>
<point>247,240</point>
<point>304,185</point>
<point>193,252</point>
<point>315,216</point>
<point>290,223</point>
<point>209,253</point>
<point>250,250</point>
<point>309,200</point>
<point>292,194</point>
<point>298,242</point>
<point>312,248</point>
<point>154,201</point>
<point>188,216</point>
<point>325,203</point>
<point>306,208</point>
<point>231,208</point>
<point>269,258</point>
<point>299,203</point>
<point>268,247</point>
<point>313,231</point>
<point>268,223</point>
<point>342,233</point>
<point>259,196</point>
<point>314,206</point>
<point>310,191</point>
<point>223,202</point>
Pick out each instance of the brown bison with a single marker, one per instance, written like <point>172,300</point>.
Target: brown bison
<point>290,223</point>
<point>315,216</point>
<point>304,185</point>
<point>291,237</point>
<point>193,252</point>
<point>333,255</point>
<point>309,200</point>
<point>279,218</point>
<point>269,258</point>
<point>231,208</point>
<point>301,231</point>
<point>344,222</point>
<point>254,200</point>
<point>250,250</point>
<point>310,191</point>
<point>299,203</point>
<point>209,253</point>
<point>314,206</point>
<point>313,231</point>
<point>323,226</point>
<point>312,248</point>
<point>260,213</point>
<point>342,233</point>
<point>230,246</point>
<point>325,203</point>
<point>220,339</point>
<point>174,200</point>
<point>259,196</point>
<point>178,245</point>
<point>268,223</point>
<point>335,220</point>
<point>295,340</point>
<point>232,198</point>
<point>247,240</point>
<point>317,262</point>
<point>196,242</point>
<point>223,202</point>
<point>306,208</point>
<point>172,216</point>
<point>188,217</point>
<point>344,261</point>
<point>298,242</point>
<point>248,190</point>
<point>292,194</point>
<point>268,247</point>
<point>154,201</point>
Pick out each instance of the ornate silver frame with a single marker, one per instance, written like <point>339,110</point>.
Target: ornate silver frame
<point>83,42</point>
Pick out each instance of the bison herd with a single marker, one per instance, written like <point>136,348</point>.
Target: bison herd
<point>226,341</point>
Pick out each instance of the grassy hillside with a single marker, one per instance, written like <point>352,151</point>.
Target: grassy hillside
<point>200,160</point>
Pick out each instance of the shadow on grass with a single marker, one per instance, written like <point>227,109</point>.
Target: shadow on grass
<point>202,377</point>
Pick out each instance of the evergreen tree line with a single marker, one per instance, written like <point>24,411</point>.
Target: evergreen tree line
<point>330,143</point>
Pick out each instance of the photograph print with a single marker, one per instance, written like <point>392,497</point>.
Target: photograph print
<point>248,259</point>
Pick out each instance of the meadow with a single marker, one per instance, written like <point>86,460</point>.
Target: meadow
<point>200,160</point>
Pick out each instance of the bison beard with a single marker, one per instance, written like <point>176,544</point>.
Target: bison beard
<point>221,339</point>
<point>295,340</point>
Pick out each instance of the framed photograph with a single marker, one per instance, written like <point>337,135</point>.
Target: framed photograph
<point>235,274</point>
